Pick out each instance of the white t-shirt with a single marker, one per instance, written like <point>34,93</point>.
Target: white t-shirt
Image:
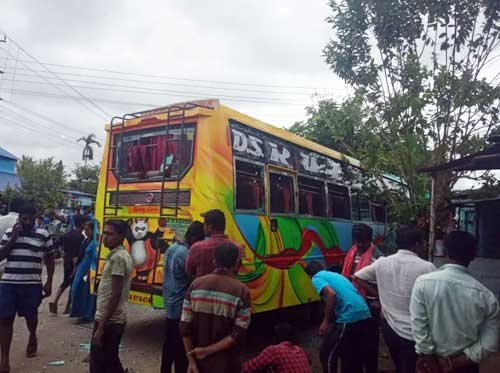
<point>8,221</point>
<point>395,276</point>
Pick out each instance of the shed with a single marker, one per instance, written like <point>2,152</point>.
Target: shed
<point>477,213</point>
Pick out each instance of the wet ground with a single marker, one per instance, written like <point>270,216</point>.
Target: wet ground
<point>63,341</point>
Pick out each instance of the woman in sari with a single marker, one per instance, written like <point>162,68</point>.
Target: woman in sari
<point>83,303</point>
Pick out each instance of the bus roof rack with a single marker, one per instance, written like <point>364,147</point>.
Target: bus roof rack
<point>181,106</point>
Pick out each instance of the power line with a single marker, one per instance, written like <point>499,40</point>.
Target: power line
<point>122,103</point>
<point>4,68</point>
<point>146,90</point>
<point>61,141</point>
<point>45,94</point>
<point>45,118</point>
<point>62,138</point>
<point>45,130</point>
<point>54,85</point>
<point>48,70</point>
<point>53,95</point>
<point>53,73</point>
<point>185,84</point>
<point>35,129</point>
<point>14,76</point>
<point>41,128</point>
<point>187,79</point>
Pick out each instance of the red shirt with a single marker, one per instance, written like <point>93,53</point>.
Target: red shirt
<point>283,358</point>
<point>200,260</point>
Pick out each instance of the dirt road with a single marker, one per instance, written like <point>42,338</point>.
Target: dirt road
<point>62,339</point>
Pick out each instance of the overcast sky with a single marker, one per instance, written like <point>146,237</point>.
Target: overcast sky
<point>166,51</point>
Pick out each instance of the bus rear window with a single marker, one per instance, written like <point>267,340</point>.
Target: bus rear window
<point>249,186</point>
<point>148,154</point>
<point>311,197</point>
<point>282,193</point>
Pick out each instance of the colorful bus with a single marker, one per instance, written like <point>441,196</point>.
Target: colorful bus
<point>287,200</point>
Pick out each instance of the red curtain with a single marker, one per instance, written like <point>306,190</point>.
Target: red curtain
<point>287,198</point>
<point>136,157</point>
<point>149,155</point>
<point>157,151</point>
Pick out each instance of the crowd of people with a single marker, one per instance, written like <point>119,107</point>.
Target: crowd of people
<point>432,320</point>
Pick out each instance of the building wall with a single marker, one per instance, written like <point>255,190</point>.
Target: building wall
<point>489,234</point>
<point>488,272</point>
<point>483,223</point>
<point>77,201</point>
<point>7,165</point>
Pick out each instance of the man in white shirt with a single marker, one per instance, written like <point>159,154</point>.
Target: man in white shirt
<point>395,276</point>
<point>454,317</point>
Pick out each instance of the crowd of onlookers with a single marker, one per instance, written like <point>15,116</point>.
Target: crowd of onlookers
<point>432,320</point>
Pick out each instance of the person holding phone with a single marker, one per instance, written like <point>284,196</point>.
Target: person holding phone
<point>21,291</point>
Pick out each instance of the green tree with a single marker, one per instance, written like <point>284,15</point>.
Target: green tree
<point>85,179</point>
<point>348,128</point>
<point>88,151</point>
<point>41,182</point>
<point>421,66</point>
<point>340,126</point>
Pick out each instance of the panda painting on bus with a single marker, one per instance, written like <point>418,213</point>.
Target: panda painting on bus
<point>143,247</point>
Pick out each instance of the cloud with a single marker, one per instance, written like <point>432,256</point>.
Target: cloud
<point>275,43</point>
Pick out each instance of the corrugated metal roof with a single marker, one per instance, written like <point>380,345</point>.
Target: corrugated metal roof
<point>4,153</point>
<point>8,179</point>
<point>486,159</point>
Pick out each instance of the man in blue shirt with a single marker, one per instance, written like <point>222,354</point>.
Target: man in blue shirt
<point>175,284</point>
<point>347,322</point>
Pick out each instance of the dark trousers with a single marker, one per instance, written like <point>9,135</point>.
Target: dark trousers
<point>470,369</point>
<point>373,331</point>
<point>173,349</point>
<point>402,350</point>
<point>106,359</point>
<point>353,344</point>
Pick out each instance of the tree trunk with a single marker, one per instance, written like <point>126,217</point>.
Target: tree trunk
<point>441,209</point>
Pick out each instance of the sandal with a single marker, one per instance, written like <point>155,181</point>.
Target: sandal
<point>32,349</point>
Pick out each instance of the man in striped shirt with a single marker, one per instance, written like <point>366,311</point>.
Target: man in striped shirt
<point>21,290</point>
<point>216,315</point>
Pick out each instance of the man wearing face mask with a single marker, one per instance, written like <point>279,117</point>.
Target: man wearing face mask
<point>21,290</point>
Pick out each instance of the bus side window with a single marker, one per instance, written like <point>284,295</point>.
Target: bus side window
<point>282,192</point>
<point>360,207</point>
<point>378,212</point>
<point>338,201</point>
<point>311,197</point>
<point>249,186</point>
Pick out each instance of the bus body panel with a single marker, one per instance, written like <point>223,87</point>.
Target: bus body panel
<point>276,248</point>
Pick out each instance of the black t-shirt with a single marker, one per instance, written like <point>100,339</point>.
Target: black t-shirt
<point>71,242</point>
<point>83,247</point>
